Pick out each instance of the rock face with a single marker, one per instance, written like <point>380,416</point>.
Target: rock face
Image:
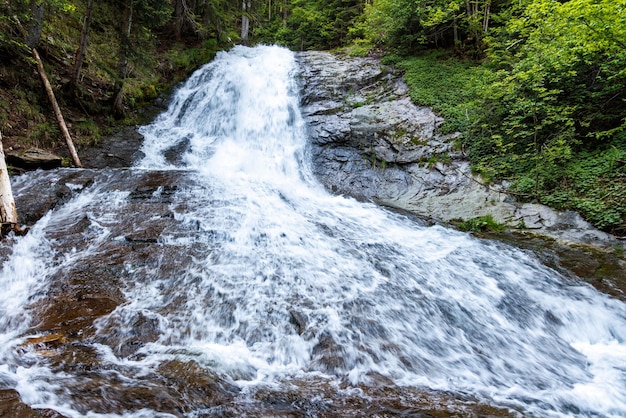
<point>369,141</point>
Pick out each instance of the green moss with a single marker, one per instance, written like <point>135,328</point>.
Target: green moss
<point>89,130</point>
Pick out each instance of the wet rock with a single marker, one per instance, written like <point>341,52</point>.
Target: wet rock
<point>602,267</point>
<point>32,159</point>
<point>328,355</point>
<point>298,319</point>
<point>359,104</point>
<point>127,335</point>
<point>174,155</point>
<point>53,188</point>
<point>318,397</point>
<point>11,405</point>
<point>119,150</point>
<point>200,387</point>
<point>45,341</point>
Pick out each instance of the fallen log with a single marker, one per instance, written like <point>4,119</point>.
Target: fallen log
<point>57,110</point>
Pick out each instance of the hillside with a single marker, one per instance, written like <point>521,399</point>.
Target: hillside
<point>155,61</point>
<point>535,87</point>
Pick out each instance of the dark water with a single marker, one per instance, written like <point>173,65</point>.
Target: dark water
<point>218,278</point>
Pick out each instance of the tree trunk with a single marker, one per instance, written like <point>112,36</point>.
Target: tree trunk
<point>36,26</point>
<point>57,110</point>
<point>80,53</point>
<point>8,212</point>
<point>486,17</point>
<point>178,19</point>
<point>123,65</point>
<point>245,21</point>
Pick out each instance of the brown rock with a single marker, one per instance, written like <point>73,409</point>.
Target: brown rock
<point>12,406</point>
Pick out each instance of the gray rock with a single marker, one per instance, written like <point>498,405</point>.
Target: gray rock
<point>32,158</point>
<point>369,141</point>
<point>116,151</point>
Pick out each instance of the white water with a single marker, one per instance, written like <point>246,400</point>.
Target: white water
<point>283,280</point>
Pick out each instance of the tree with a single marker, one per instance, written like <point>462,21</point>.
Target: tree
<point>80,52</point>
<point>559,90</point>
<point>308,24</point>
<point>36,24</point>
<point>245,20</point>
<point>140,17</point>
<point>8,211</point>
<point>56,109</point>
<point>406,25</point>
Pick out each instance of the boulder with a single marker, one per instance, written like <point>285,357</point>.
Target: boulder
<point>32,159</point>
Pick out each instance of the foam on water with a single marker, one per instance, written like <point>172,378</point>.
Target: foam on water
<point>282,279</point>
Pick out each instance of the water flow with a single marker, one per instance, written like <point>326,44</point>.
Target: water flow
<point>368,291</point>
<point>267,278</point>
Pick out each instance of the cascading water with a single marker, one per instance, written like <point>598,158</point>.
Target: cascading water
<point>262,281</point>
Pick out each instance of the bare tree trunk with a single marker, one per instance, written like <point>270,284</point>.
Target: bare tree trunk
<point>123,65</point>
<point>486,15</point>
<point>36,26</point>
<point>8,212</point>
<point>57,110</point>
<point>245,21</point>
<point>80,53</point>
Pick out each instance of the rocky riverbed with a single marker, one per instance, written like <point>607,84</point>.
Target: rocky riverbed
<point>368,141</point>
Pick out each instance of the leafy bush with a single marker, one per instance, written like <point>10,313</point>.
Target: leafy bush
<point>481,224</point>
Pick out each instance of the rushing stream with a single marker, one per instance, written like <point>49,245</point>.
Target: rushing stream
<point>261,294</point>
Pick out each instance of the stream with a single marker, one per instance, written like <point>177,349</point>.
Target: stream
<point>217,277</point>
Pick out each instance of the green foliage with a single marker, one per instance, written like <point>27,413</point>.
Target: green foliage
<point>448,85</point>
<point>547,111</point>
<point>11,37</point>
<point>595,185</point>
<point>88,129</point>
<point>481,224</point>
<point>406,25</point>
<point>306,28</point>
<point>310,24</point>
<point>394,23</point>
<point>44,134</point>
<point>358,48</point>
<point>186,59</point>
<point>551,118</point>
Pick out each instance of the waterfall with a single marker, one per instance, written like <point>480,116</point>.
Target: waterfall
<point>264,280</point>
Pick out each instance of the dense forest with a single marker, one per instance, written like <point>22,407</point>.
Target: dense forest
<point>536,87</point>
